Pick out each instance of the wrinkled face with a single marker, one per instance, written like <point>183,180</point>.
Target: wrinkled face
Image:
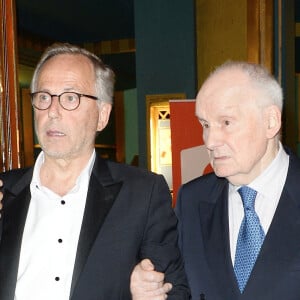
<point>69,134</point>
<point>236,130</point>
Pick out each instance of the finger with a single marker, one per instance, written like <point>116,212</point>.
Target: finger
<point>148,285</point>
<point>159,293</point>
<point>155,290</point>
<point>162,290</point>
<point>1,196</point>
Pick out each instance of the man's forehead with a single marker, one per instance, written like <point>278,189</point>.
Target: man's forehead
<point>225,99</point>
<point>217,107</point>
<point>228,77</point>
<point>225,82</point>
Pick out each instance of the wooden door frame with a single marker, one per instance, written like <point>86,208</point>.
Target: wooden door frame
<point>9,88</point>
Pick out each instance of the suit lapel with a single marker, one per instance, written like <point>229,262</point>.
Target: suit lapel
<point>214,219</point>
<point>281,246</point>
<point>102,193</point>
<point>13,221</point>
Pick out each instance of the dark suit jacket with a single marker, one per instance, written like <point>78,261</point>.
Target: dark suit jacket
<point>204,241</point>
<point>128,216</point>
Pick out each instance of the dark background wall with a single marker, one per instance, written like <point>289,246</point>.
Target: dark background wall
<point>297,40</point>
<point>164,60</point>
<point>165,54</point>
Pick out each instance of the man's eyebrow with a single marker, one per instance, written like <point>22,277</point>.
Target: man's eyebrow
<point>201,119</point>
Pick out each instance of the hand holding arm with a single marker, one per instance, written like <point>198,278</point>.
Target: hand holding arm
<point>1,194</point>
<point>148,284</point>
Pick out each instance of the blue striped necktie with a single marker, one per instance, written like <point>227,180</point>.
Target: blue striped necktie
<point>250,238</point>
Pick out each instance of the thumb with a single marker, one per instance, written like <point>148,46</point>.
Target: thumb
<point>147,265</point>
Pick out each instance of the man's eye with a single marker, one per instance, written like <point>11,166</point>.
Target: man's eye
<point>43,97</point>
<point>70,98</point>
<point>226,122</point>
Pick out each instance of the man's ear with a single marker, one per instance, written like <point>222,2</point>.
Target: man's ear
<point>104,113</point>
<point>273,114</point>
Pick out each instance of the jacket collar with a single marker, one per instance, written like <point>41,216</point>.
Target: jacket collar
<point>102,192</point>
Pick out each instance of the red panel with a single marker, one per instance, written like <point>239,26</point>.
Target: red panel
<point>186,133</point>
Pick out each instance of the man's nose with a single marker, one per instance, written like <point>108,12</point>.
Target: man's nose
<point>54,108</point>
<point>212,138</point>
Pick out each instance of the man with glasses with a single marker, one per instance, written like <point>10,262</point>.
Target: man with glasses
<point>74,226</point>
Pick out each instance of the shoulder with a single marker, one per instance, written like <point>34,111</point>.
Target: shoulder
<point>121,168</point>
<point>125,171</point>
<point>294,167</point>
<point>292,179</point>
<point>15,173</point>
<point>202,190</point>
<point>110,172</point>
<point>294,160</point>
<point>206,184</point>
<point>139,186</point>
<point>17,177</point>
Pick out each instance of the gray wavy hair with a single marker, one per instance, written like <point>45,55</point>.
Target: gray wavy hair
<point>105,77</point>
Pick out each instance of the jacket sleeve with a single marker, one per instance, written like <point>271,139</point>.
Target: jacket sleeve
<point>160,242</point>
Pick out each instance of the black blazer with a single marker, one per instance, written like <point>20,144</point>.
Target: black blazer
<point>128,216</point>
<point>202,209</point>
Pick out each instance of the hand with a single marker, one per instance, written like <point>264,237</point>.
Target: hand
<point>1,195</point>
<point>148,284</point>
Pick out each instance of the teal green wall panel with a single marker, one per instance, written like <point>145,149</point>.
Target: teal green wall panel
<point>131,125</point>
<point>165,54</point>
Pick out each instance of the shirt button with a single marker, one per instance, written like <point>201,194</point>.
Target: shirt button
<point>60,240</point>
<point>63,202</point>
<point>57,278</point>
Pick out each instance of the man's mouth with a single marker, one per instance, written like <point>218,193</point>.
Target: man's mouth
<point>55,133</point>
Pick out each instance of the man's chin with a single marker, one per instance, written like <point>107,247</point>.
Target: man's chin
<point>55,154</point>
<point>223,172</point>
<point>219,168</point>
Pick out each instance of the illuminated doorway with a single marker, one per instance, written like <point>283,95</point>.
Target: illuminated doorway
<point>159,134</point>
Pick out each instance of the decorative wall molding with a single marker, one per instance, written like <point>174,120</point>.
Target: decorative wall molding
<point>30,48</point>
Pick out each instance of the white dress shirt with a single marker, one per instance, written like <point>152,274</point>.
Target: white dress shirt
<point>269,186</point>
<point>50,238</point>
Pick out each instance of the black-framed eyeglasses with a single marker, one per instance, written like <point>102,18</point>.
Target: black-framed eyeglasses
<point>67,100</point>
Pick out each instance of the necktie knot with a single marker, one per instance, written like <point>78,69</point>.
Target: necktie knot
<point>248,196</point>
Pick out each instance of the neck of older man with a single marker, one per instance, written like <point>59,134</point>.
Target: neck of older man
<point>261,164</point>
